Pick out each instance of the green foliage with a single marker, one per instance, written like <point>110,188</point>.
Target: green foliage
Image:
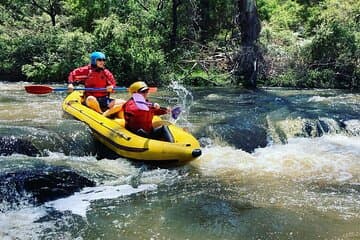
<point>42,53</point>
<point>87,12</point>
<point>324,78</point>
<point>304,43</point>
<point>134,53</point>
<point>285,79</point>
<point>200,77</point>
<point>322,54</point>
<point>57,56</point>
<point>266,8</point>
<point>281,14</point>
<point>287,16</point>
<point>335,44</point>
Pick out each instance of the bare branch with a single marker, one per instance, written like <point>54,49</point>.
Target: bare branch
<point>41,7</point>
<point>142,5</point>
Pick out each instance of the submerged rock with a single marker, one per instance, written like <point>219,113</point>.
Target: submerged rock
<point>280,130</point>
<point>10,145</point>
<point>247,138</point>
<point>41,185</point>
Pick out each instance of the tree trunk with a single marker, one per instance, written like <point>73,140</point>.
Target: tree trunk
<point>173,35</point>
<point>246,60</point>
<point>52,8</point>
<point>53,22</point>
<point>204,20</point>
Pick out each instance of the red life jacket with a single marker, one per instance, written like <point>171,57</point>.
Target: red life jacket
<point>136,118</point>
<point>93,78</point>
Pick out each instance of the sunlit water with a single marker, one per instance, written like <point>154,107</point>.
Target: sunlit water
<point>304,183</point>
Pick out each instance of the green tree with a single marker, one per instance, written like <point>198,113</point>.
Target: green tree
<point>133,51</point>
<point>335,46</point>
<point>85,12</point>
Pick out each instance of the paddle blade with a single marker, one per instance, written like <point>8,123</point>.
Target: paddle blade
<point>38,89</point>
<point>152,89</point>
<point>175,112</point>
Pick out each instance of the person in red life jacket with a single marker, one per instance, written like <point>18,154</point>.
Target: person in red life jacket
<point>95,75</point>
<point>139,112</point>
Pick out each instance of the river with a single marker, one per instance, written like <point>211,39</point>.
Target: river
<point>276,164</point>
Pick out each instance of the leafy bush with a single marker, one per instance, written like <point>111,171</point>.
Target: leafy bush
<point>320,78</point>
<point>281,14</point>
<point>304,43</point>
<point>55,54</point>
<point>313,45</point>
<point>334,48</point>
<point>134,53</point>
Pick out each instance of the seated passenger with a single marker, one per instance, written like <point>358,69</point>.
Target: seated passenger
<point>139,112</point>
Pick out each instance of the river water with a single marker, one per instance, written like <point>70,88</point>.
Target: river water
<point>276,164</point>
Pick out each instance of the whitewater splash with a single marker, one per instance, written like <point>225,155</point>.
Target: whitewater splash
<point>339,99</point>
<point>306,173</point>
<point>20,223</point>
<point>333,157</point>
<point>184,99</point>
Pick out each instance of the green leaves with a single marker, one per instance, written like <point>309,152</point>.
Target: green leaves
<point>312,44</point>
<point>305,43</point>
<point>134,51</point>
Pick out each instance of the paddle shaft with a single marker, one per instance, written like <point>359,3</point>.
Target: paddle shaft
<point>43,89</point>
<point>142,104</point>
<point>89,89</point>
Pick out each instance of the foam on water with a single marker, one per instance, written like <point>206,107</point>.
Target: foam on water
<point>316,99</point>
<point>104,171</point>
<point>79,202</point>
<point>353,126</point>
<point>340,98</point>
<point>20,223</point>
<point>333,157</point>
<point>321,174</point>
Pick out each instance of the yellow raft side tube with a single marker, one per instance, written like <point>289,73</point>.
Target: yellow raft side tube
<point>112,133</point>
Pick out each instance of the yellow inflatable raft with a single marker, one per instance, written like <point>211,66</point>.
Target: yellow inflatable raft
<point>112,133</point>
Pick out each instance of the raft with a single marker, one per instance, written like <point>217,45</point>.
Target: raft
<point>113,134</point>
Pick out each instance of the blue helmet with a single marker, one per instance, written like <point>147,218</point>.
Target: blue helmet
<point>96,55</point>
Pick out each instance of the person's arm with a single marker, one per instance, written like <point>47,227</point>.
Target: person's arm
<point>78,75</point>
<point>160,110</point>
<point>111,82</point>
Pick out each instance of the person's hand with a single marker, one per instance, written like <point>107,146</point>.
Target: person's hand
<point>110,88</point>
<point>70,87</point>
<point>156,106</point>
<point>168,110</point>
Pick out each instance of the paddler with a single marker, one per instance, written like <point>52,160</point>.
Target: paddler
<point>95,75</point>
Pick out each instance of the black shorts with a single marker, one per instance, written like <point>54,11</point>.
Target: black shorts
<point>104,102</point>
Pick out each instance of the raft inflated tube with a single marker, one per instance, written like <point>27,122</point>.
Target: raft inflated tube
<point>182,147</point>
